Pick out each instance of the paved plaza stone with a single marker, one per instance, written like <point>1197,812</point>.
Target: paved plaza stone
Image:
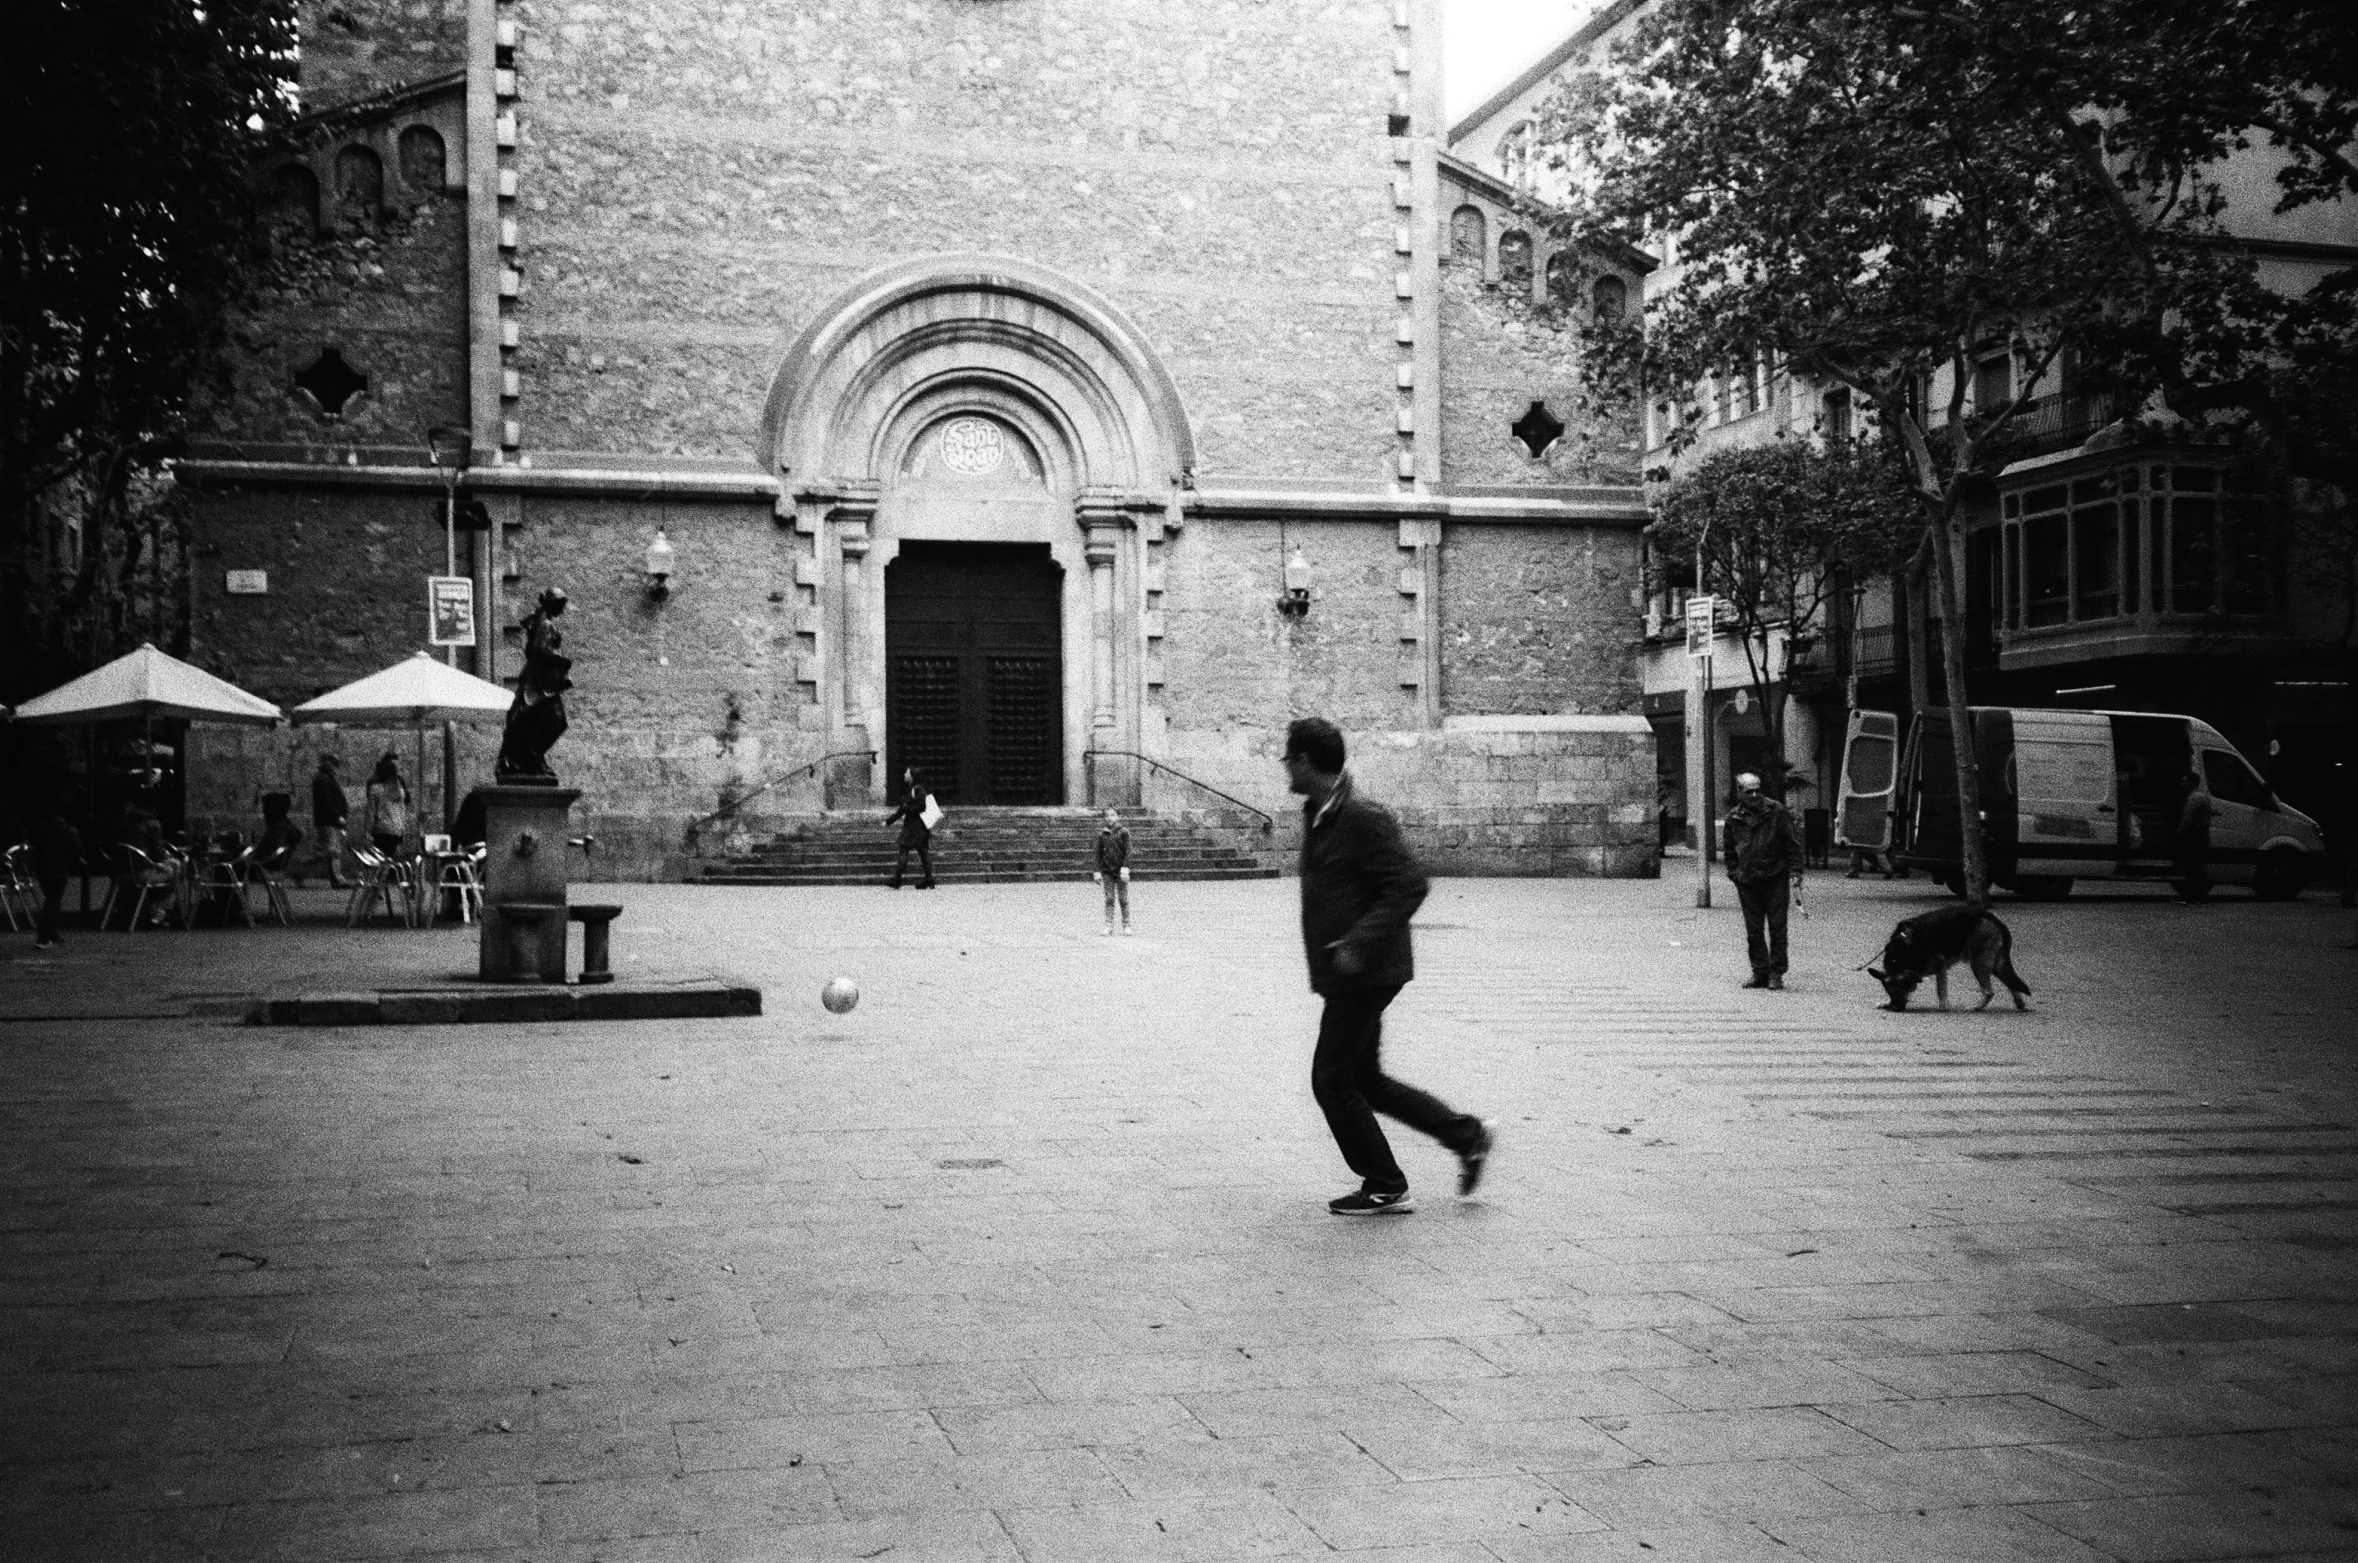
<point>1027,1256</point>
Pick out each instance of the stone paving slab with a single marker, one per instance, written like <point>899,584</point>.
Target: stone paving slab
<point>1024,1259</point>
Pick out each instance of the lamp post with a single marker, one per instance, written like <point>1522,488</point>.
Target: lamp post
<point>451,446</point>
<point>1706,846</point>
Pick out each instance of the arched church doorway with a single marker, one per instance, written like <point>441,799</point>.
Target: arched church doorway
<point>981,454</point>
<point>974,670</point>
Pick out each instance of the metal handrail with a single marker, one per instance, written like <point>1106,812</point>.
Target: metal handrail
<point>696,827</point>
<point>1089,759</point>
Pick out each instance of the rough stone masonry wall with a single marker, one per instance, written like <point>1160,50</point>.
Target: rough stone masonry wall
<point>682,702</point>
<point>352,48</point>
<point>347,596</point>
<point>1565,797</point>
<point>1500,352</point>
<point>1539,620</point>
<point>696,181</point>
<point>1534,625</point>
<point>389,294</point>
<point>1533,796</point>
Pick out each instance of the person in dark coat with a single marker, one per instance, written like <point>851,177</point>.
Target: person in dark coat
<point>57,852</point>
<point>1360,886</point>
<point>1763,854</point>
<point>916,835</point>
<point>330,809</point>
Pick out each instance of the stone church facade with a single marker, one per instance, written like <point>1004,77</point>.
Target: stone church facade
<point>984,363</point>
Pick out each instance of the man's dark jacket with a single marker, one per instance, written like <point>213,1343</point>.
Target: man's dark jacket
<point>328,804</point>
<point>1360,886</point>
<point>57,848</point>
<point>1763,843</point>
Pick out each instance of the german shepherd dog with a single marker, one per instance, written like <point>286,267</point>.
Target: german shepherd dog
<point>1928,945</point>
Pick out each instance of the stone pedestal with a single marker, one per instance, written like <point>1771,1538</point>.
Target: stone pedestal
<point>525,831</point>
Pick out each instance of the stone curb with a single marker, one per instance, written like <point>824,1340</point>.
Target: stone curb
<point>493,1005</point>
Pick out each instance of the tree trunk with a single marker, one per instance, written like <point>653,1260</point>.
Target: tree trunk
<point>1919,671</point>
<point>1961,745</point>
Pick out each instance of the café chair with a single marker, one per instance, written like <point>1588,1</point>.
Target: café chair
<point>461,875</point>
<point>265,871</point>
<point>140,882</point>
<point>380,877</point>
<point>18,888</point>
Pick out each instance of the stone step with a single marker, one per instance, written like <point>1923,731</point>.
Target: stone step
<point>818,851</point>
<point>985,845</point>
<point>967,874</point>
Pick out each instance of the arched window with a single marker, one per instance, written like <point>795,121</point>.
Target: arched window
<point>1514,156</point>
<point>360,184</point>
<point>294,199</point>
<point>1563,279</point>
<point>1514,256</point>
<point>422,165</point>
<point>1469,236</point>
<point>1609,300</point>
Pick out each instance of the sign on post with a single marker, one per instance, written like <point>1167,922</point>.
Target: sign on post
<point>450,603</point>
<point>1702,616</point>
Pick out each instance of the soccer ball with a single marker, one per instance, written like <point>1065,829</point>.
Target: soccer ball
<point>840,995</point>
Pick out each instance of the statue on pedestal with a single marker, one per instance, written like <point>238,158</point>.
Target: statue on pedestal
<point>537,719</point>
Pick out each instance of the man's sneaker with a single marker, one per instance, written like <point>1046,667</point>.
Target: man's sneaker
<point>1758,981</point>
<point>1362,1203</point>
<point>1473,1159</point>
<point>1776,984</point>
<point>1129,932</point>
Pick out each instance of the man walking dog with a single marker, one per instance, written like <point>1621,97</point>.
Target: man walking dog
<point>1360,886</point>
<point>1763,853</point>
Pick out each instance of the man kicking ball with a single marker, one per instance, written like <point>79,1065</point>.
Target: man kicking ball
<point>1360,886</point>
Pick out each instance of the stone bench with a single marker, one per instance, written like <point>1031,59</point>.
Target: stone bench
<point>595,920</point>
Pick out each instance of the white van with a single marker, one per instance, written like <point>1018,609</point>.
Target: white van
<point>2071,795</point>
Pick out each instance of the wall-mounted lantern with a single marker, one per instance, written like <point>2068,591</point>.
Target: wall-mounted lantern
<point>661,558</point>
<point>1294,601</point>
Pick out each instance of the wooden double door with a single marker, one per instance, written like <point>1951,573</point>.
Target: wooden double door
<point>974,671</point>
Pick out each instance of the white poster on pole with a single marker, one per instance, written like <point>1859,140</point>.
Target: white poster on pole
<point>450,603</point>
<point>1702,613</point>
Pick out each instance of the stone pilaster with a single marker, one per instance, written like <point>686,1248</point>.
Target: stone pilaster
<point>1420,616</point>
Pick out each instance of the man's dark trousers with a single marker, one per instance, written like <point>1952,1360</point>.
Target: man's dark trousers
<point>1347,1077</point>
<point>1765,904</point>
<point>53,889</point>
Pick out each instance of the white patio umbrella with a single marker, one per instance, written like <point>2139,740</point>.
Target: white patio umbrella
<point>411,693</point>
<point>148,684</point>
<point>145,684</point>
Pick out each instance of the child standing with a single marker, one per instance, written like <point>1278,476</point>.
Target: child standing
<point>1113,868</point>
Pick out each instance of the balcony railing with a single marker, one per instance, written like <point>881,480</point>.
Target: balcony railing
<point>2053,423</point>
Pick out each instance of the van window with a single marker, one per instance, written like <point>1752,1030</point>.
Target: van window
<point>2232,781</point>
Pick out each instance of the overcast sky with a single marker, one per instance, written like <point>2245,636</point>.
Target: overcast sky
<point>1485,42</point>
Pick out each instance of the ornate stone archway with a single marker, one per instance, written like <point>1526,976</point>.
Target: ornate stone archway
<point>917,350</point>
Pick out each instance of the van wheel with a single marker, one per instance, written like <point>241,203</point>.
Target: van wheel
<point>2042,887</point>
<point>2280,875</point>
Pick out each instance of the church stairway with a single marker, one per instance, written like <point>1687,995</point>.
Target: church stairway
<point>982,845</point>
